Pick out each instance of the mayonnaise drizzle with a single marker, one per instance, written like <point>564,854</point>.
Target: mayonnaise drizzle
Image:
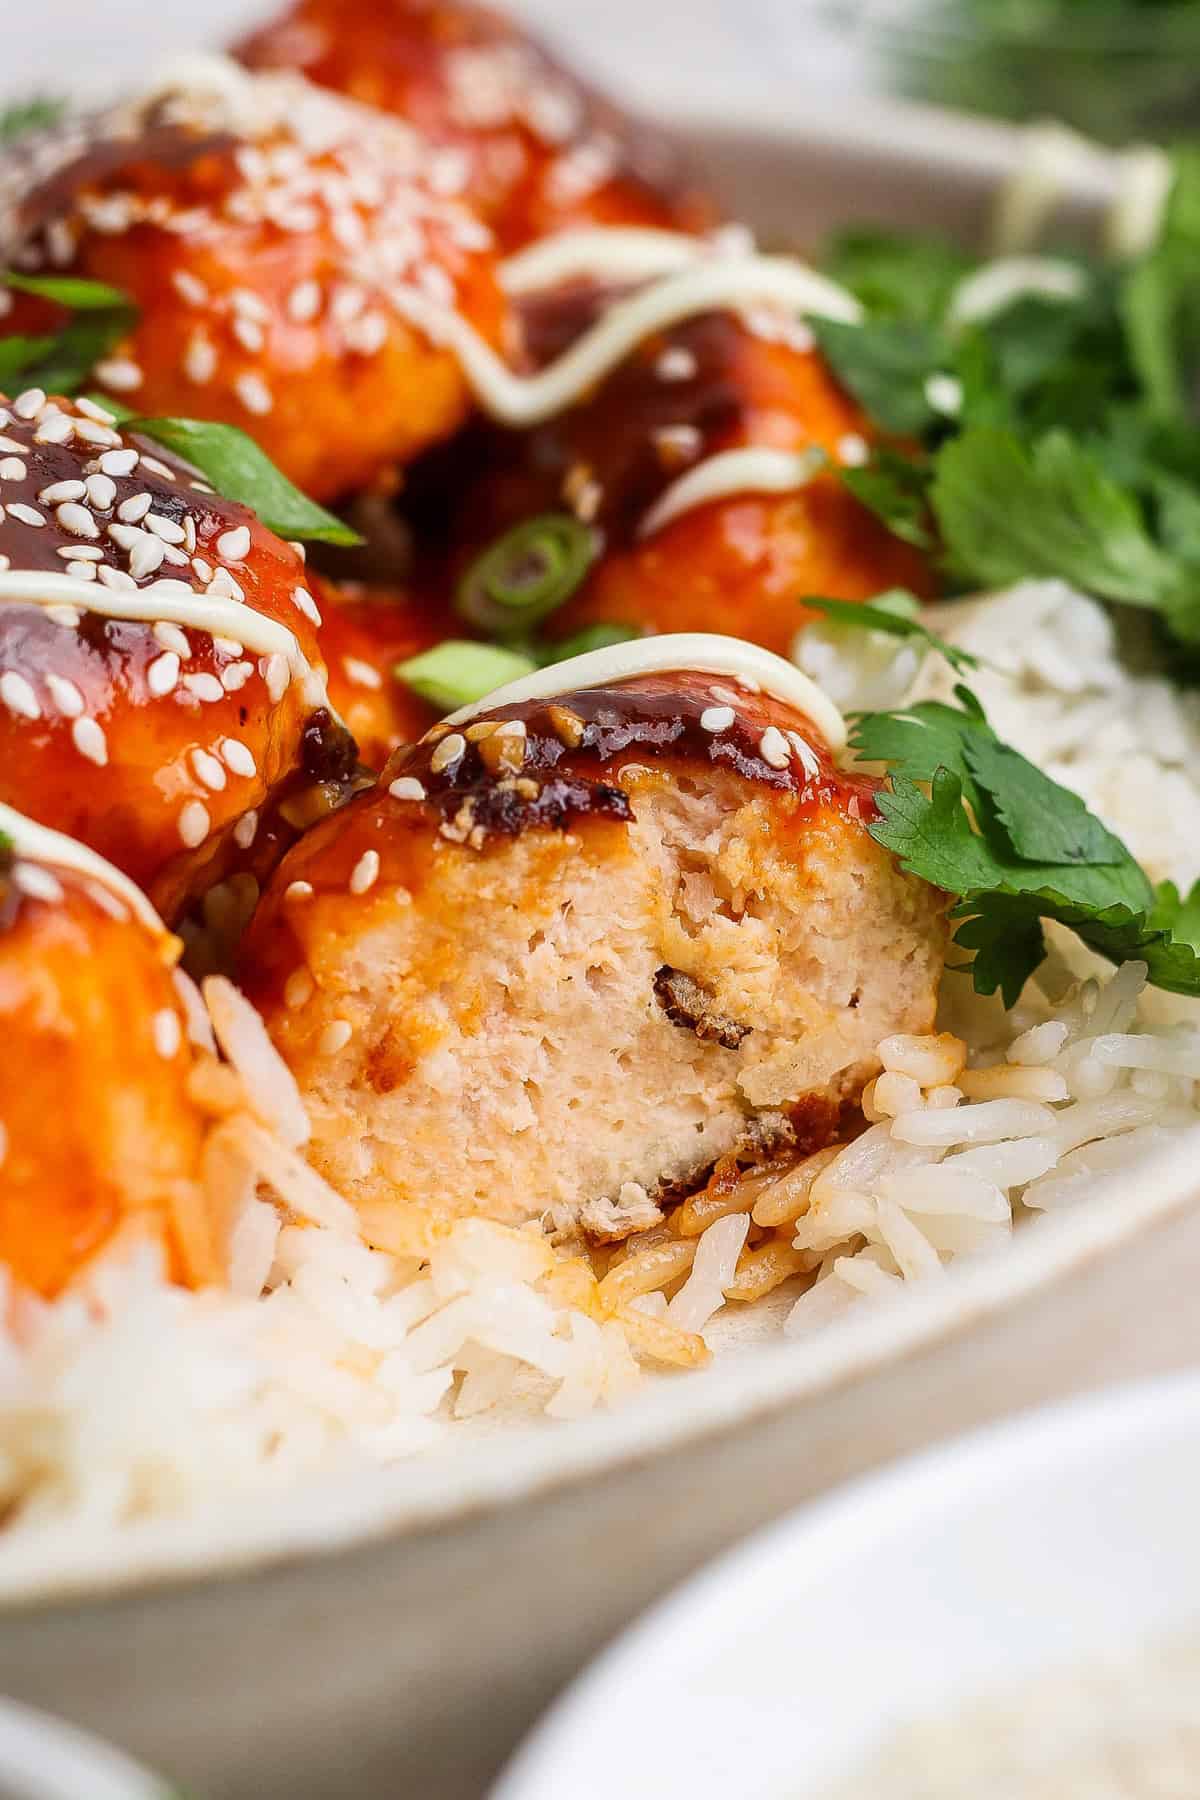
<point>752,470</point>
<point>998,284</point>
<point>686,652</point>
<point>610,253</point>
<point>218,616</point>
<point>521,401</point>
<point>53,849</point>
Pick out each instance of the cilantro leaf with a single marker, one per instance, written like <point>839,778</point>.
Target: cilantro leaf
<point>29,115</point>
<point>1007,513</point>
<point>1044,823</point>
<point>886,365</point>
<point>876,615</point>
<point>895,489</point>
<point>897,276</point>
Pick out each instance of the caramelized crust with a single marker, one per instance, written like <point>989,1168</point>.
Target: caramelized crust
<point>99,1131</point>
<point>540,150</point>
<point>156,743</point>
<point>267,241</point>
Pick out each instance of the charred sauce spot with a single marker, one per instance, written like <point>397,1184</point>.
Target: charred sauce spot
<point>327,750</point>
<point>689,1004</point>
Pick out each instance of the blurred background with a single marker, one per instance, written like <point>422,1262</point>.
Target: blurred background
<point>1114,68</point>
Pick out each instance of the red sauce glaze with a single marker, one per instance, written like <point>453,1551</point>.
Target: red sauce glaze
<point>264,269</point>
<point>365,632</point>
<point>563,774</point>
<point>739,565</point>
<point>110,729</point>
<point>542,151</point>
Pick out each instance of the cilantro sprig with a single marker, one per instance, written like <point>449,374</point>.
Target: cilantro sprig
<point>1013,848</point>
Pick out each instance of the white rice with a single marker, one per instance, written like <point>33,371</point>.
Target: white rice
<point>129,1398</point>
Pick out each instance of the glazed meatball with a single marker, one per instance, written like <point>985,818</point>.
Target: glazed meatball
<point>539,151</point>
<point>738,563</point>
<point>580,945</point>
<point>161,683</point>
<point>99,1131</point>
<point>267,233</point>
<point>365,633</point>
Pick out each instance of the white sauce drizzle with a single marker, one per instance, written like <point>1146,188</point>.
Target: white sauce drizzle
<point>990,289</point>
<point>213,614</point>
<point>38,844</point>
<point>521,401</point>
<point>613,253</point>
<point>686,652</point>
<point>752,470</point>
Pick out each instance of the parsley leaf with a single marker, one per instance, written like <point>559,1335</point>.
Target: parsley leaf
<point>29,115</point>
<point>1013,848</point>
<point>878,615</point>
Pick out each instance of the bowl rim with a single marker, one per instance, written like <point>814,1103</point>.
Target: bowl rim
<point>44,1568</point>
<point>725,1597</point>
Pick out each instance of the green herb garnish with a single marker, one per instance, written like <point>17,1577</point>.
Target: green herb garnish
<point>526,574</point>
<point>896,614</point>
<point>458,672</point>
<point>971,815</point>
<point>29,115</point>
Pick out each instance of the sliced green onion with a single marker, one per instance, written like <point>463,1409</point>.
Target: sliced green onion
<point>69,290</point>
<point>458,672</point>
<point>592,637</point>
<point>526,574</point>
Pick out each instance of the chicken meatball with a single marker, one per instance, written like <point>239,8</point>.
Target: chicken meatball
<point>266,232</point>
<point>581,944</point>
<point>98,1128</point>
<point>365,633</point>
<point>537,149</point>
<point>161,683</point>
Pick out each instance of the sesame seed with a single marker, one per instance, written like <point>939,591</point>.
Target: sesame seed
<point>365,872</point>
<point>11,446</point>
<point>368,335</point>
<point>13,469</point>
<point>169,587</point>
<point>114,578</point>
<point>199,359</point>
<point>66,616</point>
<point>66,695</point>
<point>773,748</point>
<point>189,287</point>
<point>25,515</point>
<point>18,696</point>
<point>208,770</point>
<point>101,492</point>
<point>134,510</point>
<point>300,549</point>
<point>247,305</point>
<point>166,529</point>
<point>194,824</point>
<point>90,741</point>
<point>82,571</point>
<point>76,519</point>
<point>235,677</point>
<point>203,570</point>
<point>406,787</point>
<point>168,1033</point>
<point>155,467</point>
<point>246,829</point>
<point>100,435</point>
<point>120,374</point>
<point>227,646</point>
<point>275,672</point>
<point>237,757</point>
<point>308,606</point>
<point>249,334</point>
<point>806,754</point>
<point>162,674</point>
<point>853,450</point>
<point>254,394</point>
<point>58,491</point>
<point>146,556</point>
<point>448,751</point>
<point>91,410</point>
<point>172,638</point>
<point>57,429</point>
<point>29,404</point>
<point>234,545</point>
<point>335,1037</point>
<point>205,687</point>
<point>298,890</point>
<point>717,718</point>
<point>118,462</point>
<point>304,302</point>
<point>224,584</point>
<point>298,988</point>
<point>80,553</point>
<point>675,364</point>
<point>361,673</point>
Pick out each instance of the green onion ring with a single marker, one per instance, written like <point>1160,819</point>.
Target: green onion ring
<point>526,574</point>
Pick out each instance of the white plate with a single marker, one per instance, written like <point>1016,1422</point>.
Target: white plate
<point>1057,1543</point>
<point>409,1626</point>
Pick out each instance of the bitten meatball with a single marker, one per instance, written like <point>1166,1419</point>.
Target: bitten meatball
<point>161,685</point>
<point>581,944</point>
<point>99,1132</point>
<point>267,232</point>
<point>537,149</point>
